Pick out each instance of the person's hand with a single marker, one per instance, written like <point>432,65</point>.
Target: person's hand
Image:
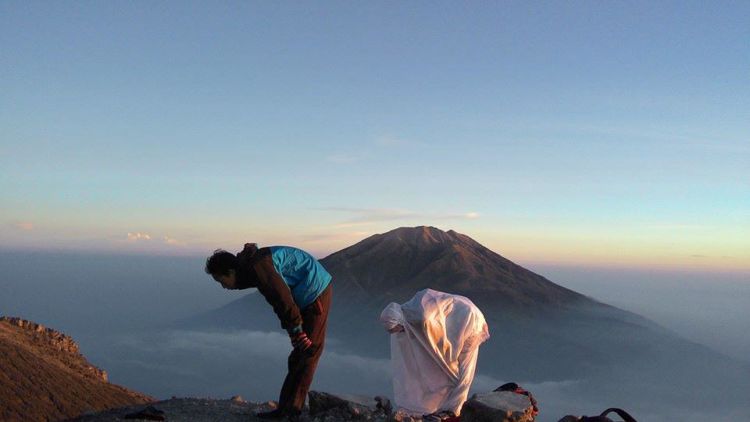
<point>300,341</point>
<point>396,329</point>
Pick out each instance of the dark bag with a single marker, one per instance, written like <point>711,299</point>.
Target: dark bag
<point>601,418</point>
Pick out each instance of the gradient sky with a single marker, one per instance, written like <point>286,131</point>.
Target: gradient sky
<point>598,133</point>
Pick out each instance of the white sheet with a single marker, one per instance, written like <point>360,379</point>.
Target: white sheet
<point>435,357</point>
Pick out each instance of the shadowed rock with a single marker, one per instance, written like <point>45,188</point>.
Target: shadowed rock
<point>501,406</point>
<point>323,407</point>
<point>348,407</point>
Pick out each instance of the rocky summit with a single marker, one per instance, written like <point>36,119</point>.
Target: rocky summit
<point>43,376</point>
<point>323,407</point>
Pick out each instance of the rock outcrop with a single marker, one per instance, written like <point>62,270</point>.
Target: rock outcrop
<point>49,336</point>
<point>331,407</point>
<point>185,410</point>
<point>43,376</point>
<point>57,341</point>
<point>323,407</point>
<point>500,406</point>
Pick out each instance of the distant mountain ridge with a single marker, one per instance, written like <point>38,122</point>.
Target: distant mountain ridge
<point>43,376</point>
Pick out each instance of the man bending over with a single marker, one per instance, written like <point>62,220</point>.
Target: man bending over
<point>299,289</point>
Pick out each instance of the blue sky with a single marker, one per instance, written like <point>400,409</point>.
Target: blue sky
<point>577,132</point>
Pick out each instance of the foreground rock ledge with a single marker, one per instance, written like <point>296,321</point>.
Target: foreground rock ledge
<point>185,409</point>
<point>501,406</point>
<point>323,407</point>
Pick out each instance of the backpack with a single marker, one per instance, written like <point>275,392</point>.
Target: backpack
<point>601,418</point>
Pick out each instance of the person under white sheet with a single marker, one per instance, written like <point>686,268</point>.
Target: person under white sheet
<point>435,339</point>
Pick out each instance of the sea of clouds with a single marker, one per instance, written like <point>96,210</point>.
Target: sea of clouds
<point>120,309</point>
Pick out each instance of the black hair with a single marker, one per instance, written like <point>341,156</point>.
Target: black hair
<point>221,262</point>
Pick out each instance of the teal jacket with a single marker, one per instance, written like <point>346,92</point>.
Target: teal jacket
<point>289,279</point>
<point>304,275</point>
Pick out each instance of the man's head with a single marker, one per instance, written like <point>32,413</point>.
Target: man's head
<point>222,266</point>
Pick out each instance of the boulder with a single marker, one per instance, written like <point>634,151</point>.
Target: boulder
<point>500,406</point>
<point>348,407</point>
<point>238,399</point>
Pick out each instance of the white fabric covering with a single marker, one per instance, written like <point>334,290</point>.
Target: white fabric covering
<point>435,357</point>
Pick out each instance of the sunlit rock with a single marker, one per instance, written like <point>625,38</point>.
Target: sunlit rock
<point>501,406</point>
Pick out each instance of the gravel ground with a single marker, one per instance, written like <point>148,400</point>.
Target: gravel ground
<point>188,409</point>
<point>211,410</point>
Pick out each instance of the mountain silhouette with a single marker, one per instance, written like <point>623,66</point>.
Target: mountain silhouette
<point>394,265</point>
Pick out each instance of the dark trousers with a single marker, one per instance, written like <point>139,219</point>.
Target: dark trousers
<point>301,364</point>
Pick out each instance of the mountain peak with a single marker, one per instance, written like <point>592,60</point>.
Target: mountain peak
<point>395,264</point>
<point>421,235</point>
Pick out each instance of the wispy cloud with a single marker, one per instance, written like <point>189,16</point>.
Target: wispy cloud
<point>353,224</point>
<point>217,362</point>
<point>172,241</point>
<point>24,225</point>
<point>701,256</point>
<point>366,216</point>
<point>471,215</point>
<point>321,237</point>
<point>138,236</point>
<point>668,226</point>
